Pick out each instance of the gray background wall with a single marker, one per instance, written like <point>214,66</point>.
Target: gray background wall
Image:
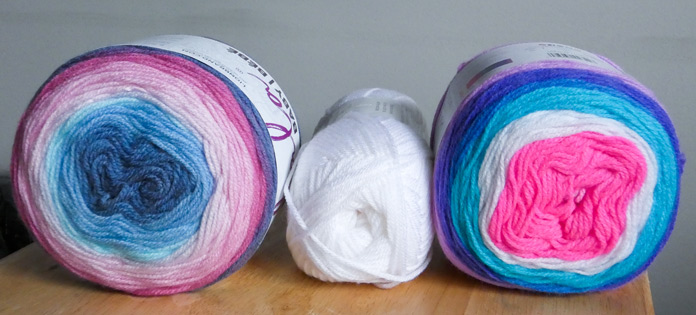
<point>320,50</point>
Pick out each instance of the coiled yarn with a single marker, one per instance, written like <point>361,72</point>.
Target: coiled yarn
<point>554,175</point>
<point>144,170</point>
<point>358,207</point>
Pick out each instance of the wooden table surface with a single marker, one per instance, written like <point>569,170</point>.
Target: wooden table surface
<point>31,282</point>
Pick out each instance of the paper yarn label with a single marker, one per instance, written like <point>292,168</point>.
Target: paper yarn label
<point>254,81</point>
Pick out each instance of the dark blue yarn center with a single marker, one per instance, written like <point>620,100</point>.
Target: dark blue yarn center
<point>129,174</point>
<point>129,179</point>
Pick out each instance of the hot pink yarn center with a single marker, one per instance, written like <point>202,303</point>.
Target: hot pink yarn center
<point>567,197</point>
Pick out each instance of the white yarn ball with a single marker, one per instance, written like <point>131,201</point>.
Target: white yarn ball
<point>359,201</point>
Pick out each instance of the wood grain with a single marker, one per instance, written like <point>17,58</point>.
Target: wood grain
<point>33,283</point>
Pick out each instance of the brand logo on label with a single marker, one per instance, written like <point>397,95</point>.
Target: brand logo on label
<point>286,129</point>
<point>284,107</point>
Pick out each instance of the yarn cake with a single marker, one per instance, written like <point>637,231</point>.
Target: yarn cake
<point>358,202</point>
<point>150,167</point>
<point>555,171</point>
